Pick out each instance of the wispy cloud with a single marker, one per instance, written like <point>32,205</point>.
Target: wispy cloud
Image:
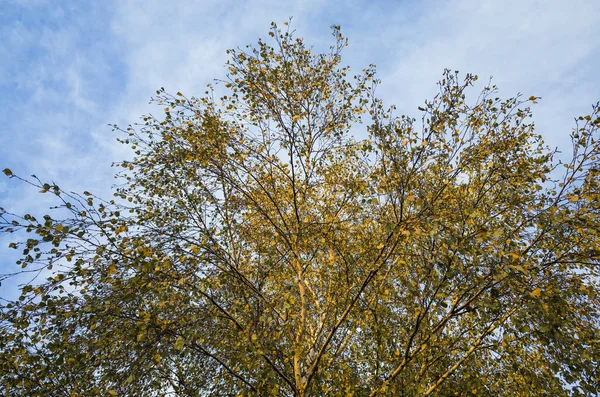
<point>539,48</point>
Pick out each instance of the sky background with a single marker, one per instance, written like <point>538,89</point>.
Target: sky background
<point>69,68</point>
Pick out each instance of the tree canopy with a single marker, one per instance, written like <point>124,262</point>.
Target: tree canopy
<point>295,237</point>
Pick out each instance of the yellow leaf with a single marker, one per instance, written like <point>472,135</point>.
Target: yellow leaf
<point>112,392</point>
<point>536,292</point>
<point>254,337</point>
<point>112,269</point>
<point>179,343</point>
<point>380,246</point>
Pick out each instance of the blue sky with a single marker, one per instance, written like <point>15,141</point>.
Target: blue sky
<point>68,68</point>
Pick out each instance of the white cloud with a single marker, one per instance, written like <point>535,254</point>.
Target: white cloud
<point>537,48</point>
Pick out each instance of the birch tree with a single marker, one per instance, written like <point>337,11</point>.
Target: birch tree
<point>295,237</point>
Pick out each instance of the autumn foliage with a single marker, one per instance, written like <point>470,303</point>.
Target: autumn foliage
<point>296,238</point>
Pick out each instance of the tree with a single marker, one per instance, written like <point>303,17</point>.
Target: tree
<point>255,247</point>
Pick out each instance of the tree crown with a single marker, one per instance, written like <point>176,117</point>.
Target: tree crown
<point>256,247</point>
